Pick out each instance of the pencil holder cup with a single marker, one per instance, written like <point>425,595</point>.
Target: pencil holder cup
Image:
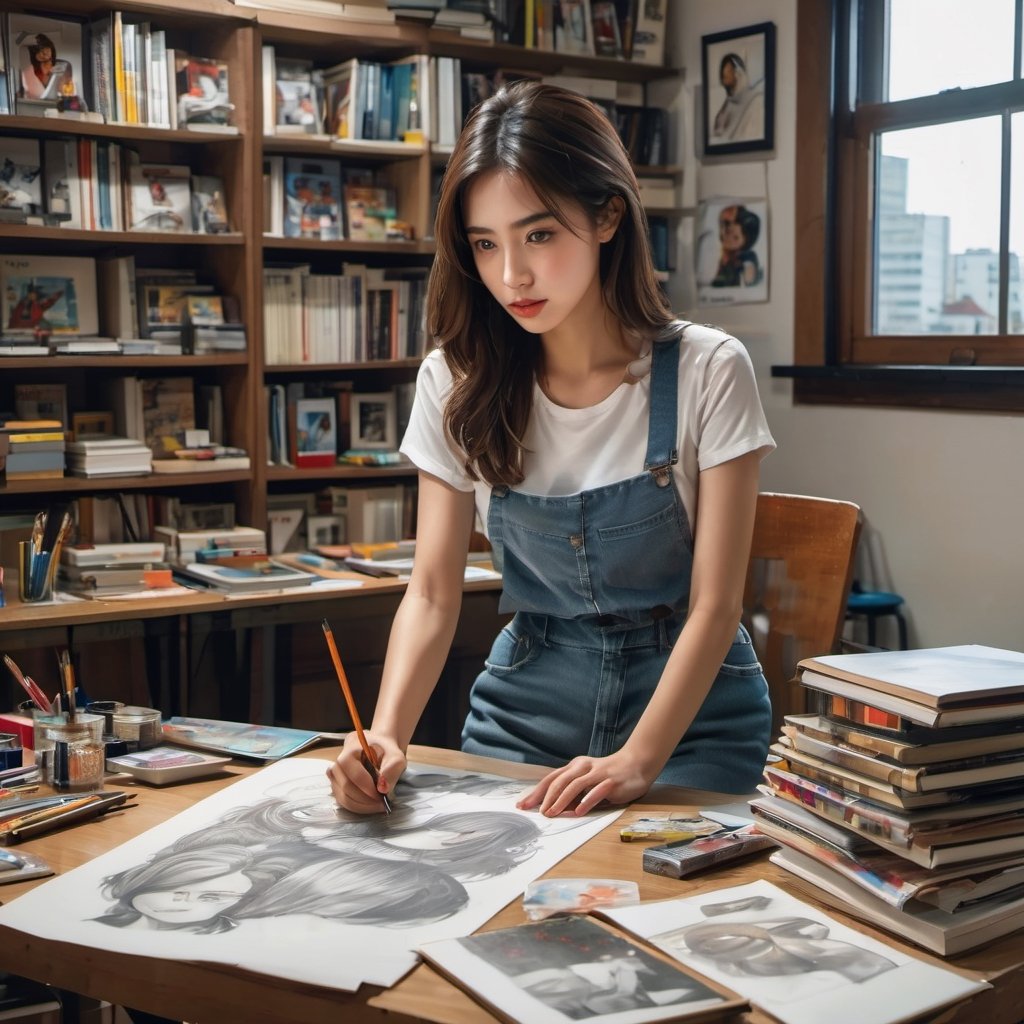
<point>36,571</point>
<point>70,752</point>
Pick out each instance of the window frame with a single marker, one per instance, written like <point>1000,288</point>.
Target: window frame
<point>836,360</point>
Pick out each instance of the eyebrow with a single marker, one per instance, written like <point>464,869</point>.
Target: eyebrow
<point>522,223</point>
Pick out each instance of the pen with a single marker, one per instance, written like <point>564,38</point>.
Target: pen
<point>79,809</point>
<point>369,756</point>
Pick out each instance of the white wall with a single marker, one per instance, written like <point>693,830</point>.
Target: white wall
<point>942,492</point>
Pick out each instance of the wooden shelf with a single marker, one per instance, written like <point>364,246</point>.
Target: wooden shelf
<point>272,369</point>
<point>417,248</point>
<point>124,362</point>
<point>15,125</point>
<point>100,239</point>
<point>325,146</point>
<point>326,473</point>
<point>161,481</point>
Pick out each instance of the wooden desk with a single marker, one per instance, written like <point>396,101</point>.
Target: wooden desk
<point>214,994</point>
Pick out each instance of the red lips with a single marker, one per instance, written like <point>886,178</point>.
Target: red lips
<point>527,307</point>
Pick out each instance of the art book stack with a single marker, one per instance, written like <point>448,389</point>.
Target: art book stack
<point>900,798</point>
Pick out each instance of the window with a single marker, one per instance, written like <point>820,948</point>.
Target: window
<point>916,200</point>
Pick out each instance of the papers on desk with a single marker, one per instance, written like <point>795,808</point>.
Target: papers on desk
<point>321,909</point>
<point>791,960</point>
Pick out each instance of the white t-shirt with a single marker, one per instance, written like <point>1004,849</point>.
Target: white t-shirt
<point>571,450</point>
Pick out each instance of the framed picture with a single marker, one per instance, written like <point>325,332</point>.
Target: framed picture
<point>48,294</point>
<point>46,57</point>
<point>316,432</point>
<point>739,90</point>
<point>373,421</point>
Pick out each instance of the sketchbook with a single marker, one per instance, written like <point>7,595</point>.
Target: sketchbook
<point>238,739</point>
<point>577,968</point>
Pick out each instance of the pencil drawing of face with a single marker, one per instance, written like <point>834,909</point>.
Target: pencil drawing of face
<point>298,853</point>
<point>753,944</point>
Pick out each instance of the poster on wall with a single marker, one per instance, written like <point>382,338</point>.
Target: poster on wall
<point>731,251</point>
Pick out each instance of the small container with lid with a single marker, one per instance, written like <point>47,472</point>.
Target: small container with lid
<point>139,724</point>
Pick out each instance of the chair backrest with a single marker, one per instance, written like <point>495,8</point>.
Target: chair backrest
<point>798,579</point>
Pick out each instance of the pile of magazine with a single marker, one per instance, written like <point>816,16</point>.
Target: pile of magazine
<point>900,799</point>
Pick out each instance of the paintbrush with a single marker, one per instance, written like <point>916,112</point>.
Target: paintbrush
<point>370,757</point>
<point>29,686</point>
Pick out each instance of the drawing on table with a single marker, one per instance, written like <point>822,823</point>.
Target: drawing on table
<point>270,875</point>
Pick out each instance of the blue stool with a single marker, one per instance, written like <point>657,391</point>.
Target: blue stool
<point>873,605</point>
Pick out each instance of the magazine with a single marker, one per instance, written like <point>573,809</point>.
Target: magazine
<point>263,743</point>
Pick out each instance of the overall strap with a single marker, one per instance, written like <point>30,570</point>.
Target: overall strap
<point>662,426</point>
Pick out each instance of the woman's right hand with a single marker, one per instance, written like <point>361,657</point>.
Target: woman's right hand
<point>351,783</point>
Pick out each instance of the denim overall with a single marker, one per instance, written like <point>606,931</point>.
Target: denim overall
<point>599,582</point>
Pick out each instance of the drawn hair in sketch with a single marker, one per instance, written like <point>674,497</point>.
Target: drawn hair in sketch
<point>214,889</point>
<point>470,845</point>
<point>785,946</point>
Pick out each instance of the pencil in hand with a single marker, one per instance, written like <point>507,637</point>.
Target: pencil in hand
<point>371,759</point>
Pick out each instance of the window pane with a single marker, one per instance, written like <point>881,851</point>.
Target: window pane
<point>942,44</point>
<point>1015,312</point>
<point>937,243</point>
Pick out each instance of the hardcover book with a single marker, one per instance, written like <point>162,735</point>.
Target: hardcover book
<point>937,677</point>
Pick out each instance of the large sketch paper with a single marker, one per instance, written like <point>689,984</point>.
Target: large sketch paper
<point>791,960</point>
<point>302,890</point>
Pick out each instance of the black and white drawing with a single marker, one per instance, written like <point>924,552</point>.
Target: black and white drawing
<point>271,875</point>
<point>791,960</point>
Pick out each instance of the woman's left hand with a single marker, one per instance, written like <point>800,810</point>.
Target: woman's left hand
<point>587,781</point>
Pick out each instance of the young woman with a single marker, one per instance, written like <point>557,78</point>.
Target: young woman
<point>613,453</point>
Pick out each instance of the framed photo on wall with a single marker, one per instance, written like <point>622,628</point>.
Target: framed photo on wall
<point>739,90</point>
<point>373,421</point>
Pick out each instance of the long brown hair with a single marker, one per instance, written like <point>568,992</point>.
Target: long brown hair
<point>566,150</point>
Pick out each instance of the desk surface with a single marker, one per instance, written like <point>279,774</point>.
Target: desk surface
<point>215,994</point>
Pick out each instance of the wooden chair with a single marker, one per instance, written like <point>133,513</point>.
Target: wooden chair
<point>798,579</point>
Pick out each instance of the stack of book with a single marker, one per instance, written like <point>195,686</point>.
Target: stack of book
<point>102,570</point>
<point>900,799</point>
<point>34,449</point>
<point>106,455</point>
<point>185,546</point>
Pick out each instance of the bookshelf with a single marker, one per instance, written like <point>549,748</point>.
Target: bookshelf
<point>233,262</point>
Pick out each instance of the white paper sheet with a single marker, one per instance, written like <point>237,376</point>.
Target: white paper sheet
<point>270,857</point>
<point>791,960</point>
